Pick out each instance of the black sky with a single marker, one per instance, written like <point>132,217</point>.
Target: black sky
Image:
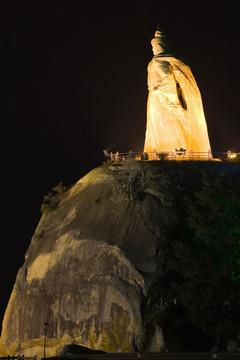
<point>74,76</point>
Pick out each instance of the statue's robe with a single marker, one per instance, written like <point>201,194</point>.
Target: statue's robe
<point>175,116</point>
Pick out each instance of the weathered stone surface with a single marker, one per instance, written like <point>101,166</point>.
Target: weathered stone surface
<point>93,270</point>
<point>89,266</point>
<point>175,116</point>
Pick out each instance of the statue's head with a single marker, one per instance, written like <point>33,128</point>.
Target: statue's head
<point>159,43</point>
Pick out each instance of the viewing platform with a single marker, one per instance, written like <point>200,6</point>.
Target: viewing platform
<point>179,154</point>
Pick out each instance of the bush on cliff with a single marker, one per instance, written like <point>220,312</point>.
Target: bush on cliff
<point>52,199</point>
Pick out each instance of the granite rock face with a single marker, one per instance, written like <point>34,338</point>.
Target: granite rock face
<point>89,267</point>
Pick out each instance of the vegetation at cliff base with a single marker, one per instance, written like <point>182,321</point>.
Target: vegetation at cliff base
<point>203,272</point>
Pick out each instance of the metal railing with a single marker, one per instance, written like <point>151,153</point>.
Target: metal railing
<point>178,154</point>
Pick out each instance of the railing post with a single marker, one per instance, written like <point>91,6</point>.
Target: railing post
<point>209,154</point>
<point>154,154</point>
<point>191,155</point>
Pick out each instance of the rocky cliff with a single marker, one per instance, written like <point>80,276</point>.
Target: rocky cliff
<point>93,262</point>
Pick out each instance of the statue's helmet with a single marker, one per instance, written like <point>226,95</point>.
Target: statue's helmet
<point>159,43</point>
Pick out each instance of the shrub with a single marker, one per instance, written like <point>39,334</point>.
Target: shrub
<point>52,199</point>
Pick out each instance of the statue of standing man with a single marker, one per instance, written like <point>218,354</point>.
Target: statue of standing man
<point>175,116</point>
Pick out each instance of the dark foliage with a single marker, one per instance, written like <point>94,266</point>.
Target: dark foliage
<point>52,199</point>
<point>203,272</point>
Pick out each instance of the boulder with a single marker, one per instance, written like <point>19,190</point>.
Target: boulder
<point>90,265</point>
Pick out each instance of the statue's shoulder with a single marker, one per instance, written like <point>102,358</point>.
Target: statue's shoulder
<point>159,59</point>
<point>169,58</point>
<point>160,63</point>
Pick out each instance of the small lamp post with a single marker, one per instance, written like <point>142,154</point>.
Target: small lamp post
<point>45,325</point>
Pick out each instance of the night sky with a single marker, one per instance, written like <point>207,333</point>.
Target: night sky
<point>74,77</point>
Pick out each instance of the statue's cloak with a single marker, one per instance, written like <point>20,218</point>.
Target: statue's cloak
<point>175,116</point>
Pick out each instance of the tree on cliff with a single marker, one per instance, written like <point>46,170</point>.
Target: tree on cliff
<point>203,271</point>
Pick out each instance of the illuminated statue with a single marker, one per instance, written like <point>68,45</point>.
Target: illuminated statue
<point>175,117</point>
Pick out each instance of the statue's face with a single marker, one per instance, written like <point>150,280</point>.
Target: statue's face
<point>157,49</point>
